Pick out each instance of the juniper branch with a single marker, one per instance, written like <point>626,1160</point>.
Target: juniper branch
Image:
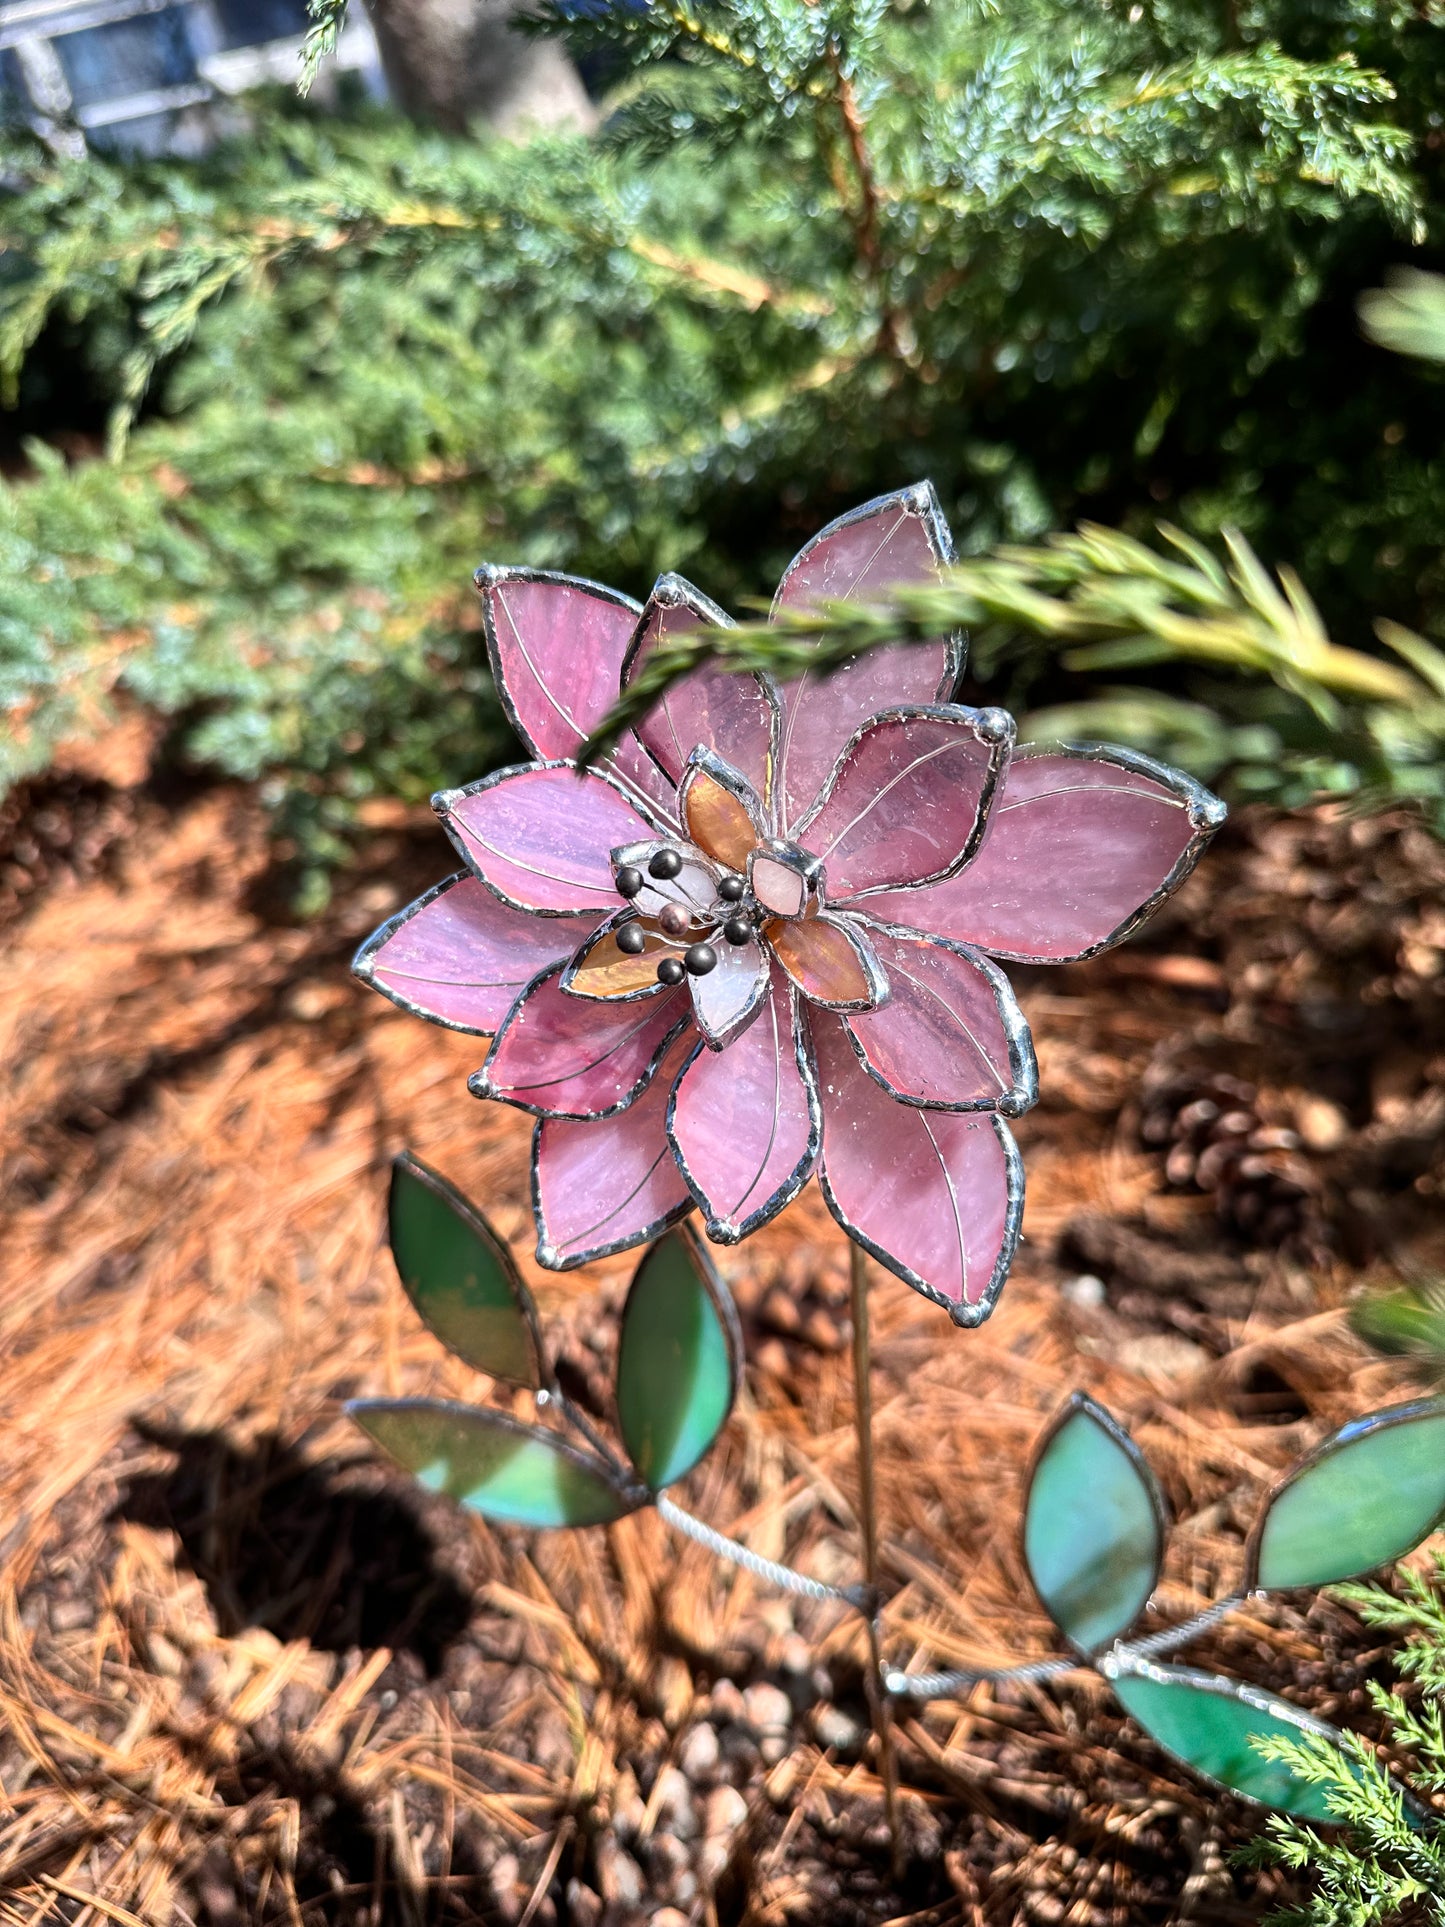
<point>1101,599</point>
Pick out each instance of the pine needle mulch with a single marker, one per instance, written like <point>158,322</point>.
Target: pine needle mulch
<point>247,1674</point>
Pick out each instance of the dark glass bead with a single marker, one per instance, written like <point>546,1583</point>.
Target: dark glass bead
<point>738,930</point>
<point>629,881</point>
<point>670,971</point>
<point>700,958</point>
<point>632,939</point>
<point>666,863</point>
<point>732,889</point>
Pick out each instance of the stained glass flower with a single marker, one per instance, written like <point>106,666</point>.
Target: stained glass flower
<point>760,938</point>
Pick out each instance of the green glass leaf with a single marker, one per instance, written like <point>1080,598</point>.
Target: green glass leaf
<point>1093,1526</point>
<point>460,1276</point>
<point>1208,1722</point>
<point>511,1473</point>
<point>1369,1494</point>
<point>677,1362</point>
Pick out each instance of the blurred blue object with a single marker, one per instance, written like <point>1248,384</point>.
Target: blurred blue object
<point>154,76</point>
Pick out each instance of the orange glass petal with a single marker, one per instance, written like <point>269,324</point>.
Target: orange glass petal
<point>606,971</point>
<point>718,822</point>
<point>822,960</point>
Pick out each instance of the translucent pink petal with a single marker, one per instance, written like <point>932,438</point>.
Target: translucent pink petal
<point>1080,847</point>
<point>556,645</point>
<point>642,782</point>
<point>950,1036</point>
<point>542,835</point>
<point>745,1121</point>
<point>898,538</point>
<point>728,999</point>
<point>908,798</point>
<point>606,1184</point>
<point>737,716</point>
<point>562,1056</point>
<point>934,1195</point>
<point>460,956</point>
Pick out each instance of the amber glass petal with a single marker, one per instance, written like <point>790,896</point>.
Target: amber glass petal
<point>602,970</point>
<point>718,819</point>
<point>830,962</point>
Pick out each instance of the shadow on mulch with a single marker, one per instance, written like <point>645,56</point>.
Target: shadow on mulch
<point>306,1551</point>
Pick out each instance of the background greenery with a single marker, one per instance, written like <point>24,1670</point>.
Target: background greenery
<point>1074,263</point>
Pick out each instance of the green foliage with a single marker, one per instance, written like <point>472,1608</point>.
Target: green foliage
<point>1408,314</point>
<point>1407,1321</point>
<point>328,18</point>
<point>1388,1862</point>
<point>1070,264</point>
<point>1328,718</point>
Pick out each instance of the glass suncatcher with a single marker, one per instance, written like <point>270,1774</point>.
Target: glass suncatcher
<point>760,940</point>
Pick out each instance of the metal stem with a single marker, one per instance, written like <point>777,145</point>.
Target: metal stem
<point>932,1686</point>
<point>878,1703</point>
<point>754,1562</point>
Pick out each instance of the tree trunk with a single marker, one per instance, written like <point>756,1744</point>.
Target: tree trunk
<point>451,62</point>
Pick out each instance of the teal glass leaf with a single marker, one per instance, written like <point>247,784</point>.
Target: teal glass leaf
<point>461,1277</point>
<point>1369,1494</point>
<point>677,1362</point>
<point>1208,1722</point>
<point>511,1473</point>
<point>1093,1526</point>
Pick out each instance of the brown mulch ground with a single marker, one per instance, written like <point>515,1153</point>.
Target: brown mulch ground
<point>248,1675</point>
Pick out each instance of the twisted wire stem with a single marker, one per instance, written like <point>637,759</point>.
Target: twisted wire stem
<point>738,1554</point>
<point>932,1686</point>
<point>924,1686</point>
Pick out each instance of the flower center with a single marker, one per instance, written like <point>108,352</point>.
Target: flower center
<point>689,901</point>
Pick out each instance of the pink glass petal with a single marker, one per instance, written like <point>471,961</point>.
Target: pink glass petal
<point>556,645</point>
<point>1079,848</point>
<point>460,956</point>
<point>728,999</point>
<point>778,886</point>
<point>607,1184</point>
<point>908,799</point>
<point>745,1122</point>
<point>899,538</point>
<point>541,836</point>
<point>562,1056</point>
<point>735,715</point>
<point>642,782</point>
<point>951,1035</point>
<point>934,1195</point>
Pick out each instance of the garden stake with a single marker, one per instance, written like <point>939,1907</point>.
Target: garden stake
<point>878,1706</point>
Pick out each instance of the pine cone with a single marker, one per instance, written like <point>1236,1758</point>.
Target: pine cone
<point>1220,1139</point>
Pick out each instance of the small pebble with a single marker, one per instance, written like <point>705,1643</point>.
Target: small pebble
<point>795,1656</point>
<point>1086,1291</point>
<point>672,1799</point>
<point>699,1754</point>
<point>769,1710</point>
<point>506,1871</point>
<point>584,1907</point>
<point>618,1874</point>
<point>834,1728</point>
<point>723,1816</point>
<point>726,1703</point>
